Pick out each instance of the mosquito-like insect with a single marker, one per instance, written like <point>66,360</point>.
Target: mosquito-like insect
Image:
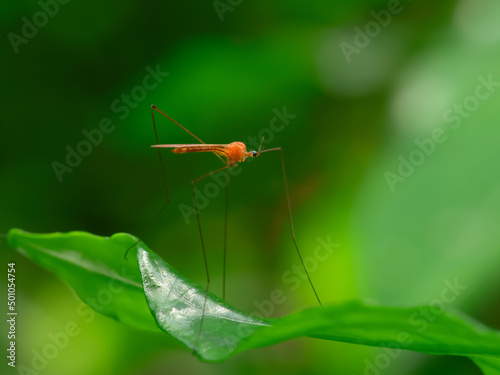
<point>230,154</point>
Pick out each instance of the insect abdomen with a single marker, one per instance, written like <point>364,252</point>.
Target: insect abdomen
<point>182,150</point>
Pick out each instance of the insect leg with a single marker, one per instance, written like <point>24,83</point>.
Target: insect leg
<point>153,109</point>
<point>202,248</point>
<point>291,220</point>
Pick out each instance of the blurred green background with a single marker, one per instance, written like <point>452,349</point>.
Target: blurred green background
<point>366,85</point>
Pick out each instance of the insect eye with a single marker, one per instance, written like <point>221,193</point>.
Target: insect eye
<point>254,153</point>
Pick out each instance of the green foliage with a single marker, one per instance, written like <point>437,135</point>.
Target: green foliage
<point>95,268</point>
<point>92,264</point>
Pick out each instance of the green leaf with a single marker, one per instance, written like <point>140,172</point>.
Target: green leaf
<point>95,268</point>
<point>89,263</point>
<point>178,304</point>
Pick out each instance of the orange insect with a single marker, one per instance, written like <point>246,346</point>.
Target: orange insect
<point>230,154</point>
<point>234,153</point>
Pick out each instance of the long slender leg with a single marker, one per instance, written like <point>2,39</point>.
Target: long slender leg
<point>150,224</point>
<point>203,249</point>
<point>154,108</point>
<point>291,220</point>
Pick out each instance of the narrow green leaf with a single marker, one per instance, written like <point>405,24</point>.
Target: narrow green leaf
<point>450,333</point>
<point>95,268</point>
<point>178,304</point>
<point>92,264</point>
